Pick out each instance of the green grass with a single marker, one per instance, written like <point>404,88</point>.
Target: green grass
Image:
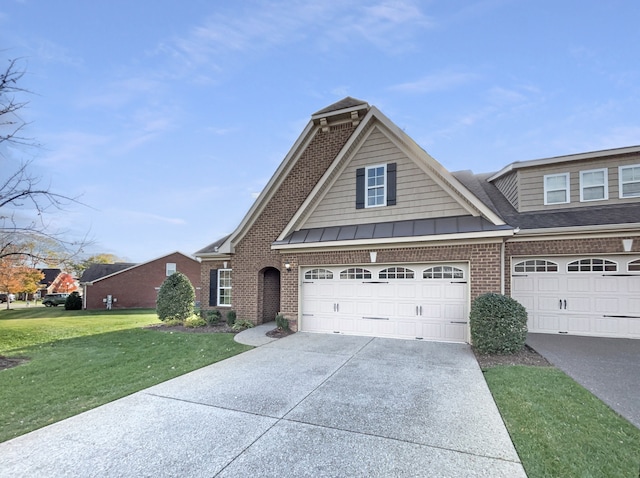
<point>82,359</point>
<point>560,429</point>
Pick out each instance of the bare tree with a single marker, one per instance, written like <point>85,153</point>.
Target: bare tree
<point>26,233</point>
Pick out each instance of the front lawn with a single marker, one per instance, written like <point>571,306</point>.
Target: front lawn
<point>561,429</point>
<point>82,359</point>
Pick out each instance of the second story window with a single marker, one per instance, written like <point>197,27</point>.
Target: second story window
<point>376,186</point>
<point>593,185</point>
<point>170,268</point>
<point>556,188</point>
<point>629,181</point>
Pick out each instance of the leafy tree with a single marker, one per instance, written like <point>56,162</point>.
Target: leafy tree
<point>25,230</point>
<point>79,267</point>
<point>16,278</point>
<point>176,298</point>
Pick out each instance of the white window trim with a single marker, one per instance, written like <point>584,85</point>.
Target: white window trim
<point>219,288</point>
<point>567,189</point>
<point>605,184</point>
<point>621,183</point>
<point>367,187</point>
<point>170,270</point>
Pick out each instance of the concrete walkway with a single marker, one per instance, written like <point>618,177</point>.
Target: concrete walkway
<point>608,368</point>
<point>306,405</point>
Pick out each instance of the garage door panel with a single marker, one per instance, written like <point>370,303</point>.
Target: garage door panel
<point>607,284</point>
<point>547,284</point>
<point>609,325</point>
<point>606,305</point>
<point>548,303</point>
<point>634,326</point>
<point>522,284</point>
<point>578,303</point>
<point>634,306</point>
<point>578,284</point>
<point>390,305</point>
<point>633,284</point>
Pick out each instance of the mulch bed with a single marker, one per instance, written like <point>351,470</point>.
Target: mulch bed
<point>279,333</point>
<point>527,356</point>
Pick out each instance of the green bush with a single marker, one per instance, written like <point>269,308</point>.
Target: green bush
<point>498,324</point>
<point>212,317</point>
<point>195,321</point>
<point>231,318</point>
<point>281,322</point>
<point>73,302</point>
<point>173,322</point>
<point>242,324</point>
<point>176,298</point>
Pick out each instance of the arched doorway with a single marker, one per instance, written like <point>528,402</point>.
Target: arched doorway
<point>270,294</point>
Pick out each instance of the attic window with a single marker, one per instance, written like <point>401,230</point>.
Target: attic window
<point>376,186</point>
<point>556,189</point>
<point>593,185</point>
<point>170,268</point>
<point>629,177</point>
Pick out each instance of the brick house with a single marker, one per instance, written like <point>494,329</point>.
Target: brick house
<point>360,231</point>
<point>134,285</point>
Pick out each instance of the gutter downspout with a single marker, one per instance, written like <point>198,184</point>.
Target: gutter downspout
<point>502,262</point>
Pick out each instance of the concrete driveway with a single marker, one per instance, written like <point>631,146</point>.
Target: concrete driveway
<point>608,368</point>
<point>305,405</point>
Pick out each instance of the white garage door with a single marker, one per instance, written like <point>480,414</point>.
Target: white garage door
<point>417,301</point>
<point>598,296</point>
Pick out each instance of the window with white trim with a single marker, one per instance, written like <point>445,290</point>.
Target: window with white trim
<point>594,185</point>
<point>318,274</point>
<point>556,189</point>
<point>355,273</point>
<point>170,268</point>
<point>376,189</point>
<point>443,272</point>
<point>536,265</point>
<point>592,265</point>
<point>396,273</point>
<point>224,287</point>
<point>629,181</point>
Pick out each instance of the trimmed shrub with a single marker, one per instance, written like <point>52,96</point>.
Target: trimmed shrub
<point>73,302</point>
<point>498,324</point>
<point>195,321</point>
<point>231,318</point>
<point>281,322</point>
<point>176,298</point>
<point>212,317</point>
<point>242,324</point>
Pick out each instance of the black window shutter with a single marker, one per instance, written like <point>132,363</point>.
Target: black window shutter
<point>213,287</point>
<point>360,188</point>
<point>391,184</point>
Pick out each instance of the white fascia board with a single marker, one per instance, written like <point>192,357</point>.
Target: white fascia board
<point>562,159</point>
<point>342,111</point>
<point>575,232</point>
<point>396,241</point>
<point>267,192</point>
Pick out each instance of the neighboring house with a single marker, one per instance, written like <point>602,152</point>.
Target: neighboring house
<point>134,285</point>
<point>360,231</point>
<point>55,281</point>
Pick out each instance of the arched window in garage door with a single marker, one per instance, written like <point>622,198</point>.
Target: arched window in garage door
<point>318,274</point>
<point>592,265</point>
<point>536,265</point>
<point>634,266</point>
<point>443,272</point>
<point>396,273</point>
<point>355,273</point>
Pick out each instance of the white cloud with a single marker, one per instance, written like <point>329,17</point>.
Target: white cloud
<point>437,82</point>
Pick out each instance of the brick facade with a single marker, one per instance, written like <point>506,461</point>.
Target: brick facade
<point>253,254</point>
<point>138,287</point>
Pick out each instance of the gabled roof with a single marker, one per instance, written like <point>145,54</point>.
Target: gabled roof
<point>49,276</point>
<point>98,272</point>
<point>343,110</point>
<point>433,168</point>
<point>563,159</point>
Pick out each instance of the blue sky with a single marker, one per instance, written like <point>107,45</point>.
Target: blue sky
<point>169,117</point>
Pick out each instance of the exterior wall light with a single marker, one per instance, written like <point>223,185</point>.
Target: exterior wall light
<point>287,266</point>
